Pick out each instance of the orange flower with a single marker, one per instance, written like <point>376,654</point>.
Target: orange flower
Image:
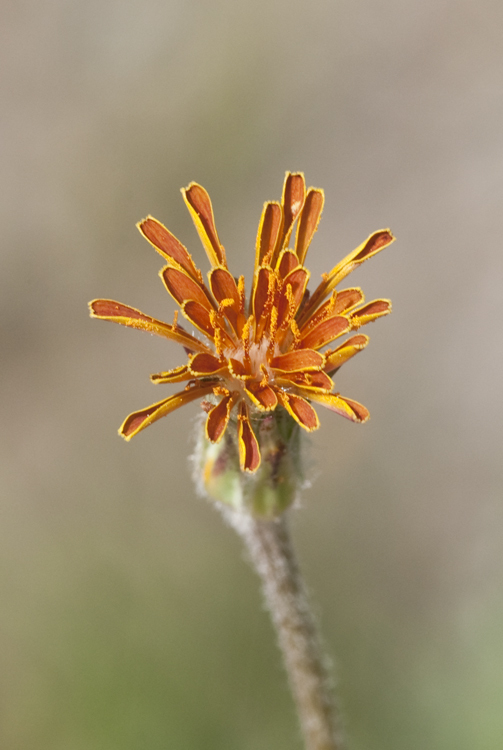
<point>267,353</point>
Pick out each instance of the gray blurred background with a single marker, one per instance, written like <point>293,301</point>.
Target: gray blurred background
<point>128,617</point>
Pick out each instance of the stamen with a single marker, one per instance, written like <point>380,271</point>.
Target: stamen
<point>265,375</point>
<point>220,390</point>
<point>223,304</point>
<point>241,292</point>
<point>331,304</point>
<point>245,336</point>
<point>273,326</point>
<point>295,330</point>
<point>291,305</point>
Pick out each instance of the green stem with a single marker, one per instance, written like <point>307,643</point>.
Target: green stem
<point>271,552</point>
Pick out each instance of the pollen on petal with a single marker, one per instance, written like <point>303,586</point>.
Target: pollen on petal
<point>325,332</point>
<point>371,311</point>
<point>299,359</point>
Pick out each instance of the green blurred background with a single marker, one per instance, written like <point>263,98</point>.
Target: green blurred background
<point>128,616</point>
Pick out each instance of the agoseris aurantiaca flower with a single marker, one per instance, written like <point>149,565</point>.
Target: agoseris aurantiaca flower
<point>251,357</point>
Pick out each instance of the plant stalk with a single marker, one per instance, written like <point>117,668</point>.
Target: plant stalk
<point>270,548</point>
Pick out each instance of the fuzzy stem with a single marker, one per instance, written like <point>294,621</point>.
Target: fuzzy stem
<point>270,548</point>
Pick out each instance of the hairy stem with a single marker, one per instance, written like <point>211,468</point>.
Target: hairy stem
<point>270,548</point>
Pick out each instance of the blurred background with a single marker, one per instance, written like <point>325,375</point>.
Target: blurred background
<point>128,616</point>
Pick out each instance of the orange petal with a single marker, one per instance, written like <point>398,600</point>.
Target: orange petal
<point>249,451</point>
<point>308,222</point>
<point>199,316</point>
<point>324,332</point>
<point>218,418</point>
<point>172,376</point>
<point>204,364</point>
<point>107,309</point>
<point>344,352</point>
<point>309,380</point>
<point>344,406</point>
<point>338,304</point>
<point>299,359</point>
<point>262,396</point>
<point>202,319</point>
<point>223,286</point>
<point>168,246</point>
<point>371,311</point>
<point>346,299</point>
<point>137,421</point>
<point>199,205</point>
<point>268,231</point>
<point>225,290</point>
<point>182,287</point>
<point>372,245</point>
<point>294,193</point>
<point>287,261</point>
<point>240,370</point>
<point>300,409</point>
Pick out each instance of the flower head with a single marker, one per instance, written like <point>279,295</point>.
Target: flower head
<point>265,354</point>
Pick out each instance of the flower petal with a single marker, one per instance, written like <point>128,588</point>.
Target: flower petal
<point>344,406</point>
<point>324,332</point>
<point>199,316</point>
<point>223,286</point>
<point>299,359</point>
<point>218,417</point>
<point>294,194</point>
<point>262,396</point>
<point>202,319</point>
<point>138,420</point>
<point>371,311</point>
<point>168,246</point>
<point>199,204</point>
<point>172,376</point>
<point>204,364</point>
<point>287,261</point>
<point>182,287</point>
<point>108,309</point>
<point>308,380</point>
<point>240,370</point>
<point>344,352</point>
<point>225,290</point>
<point>249,451</point>
<point>338,304</point>
<point>372,245</point>
<point>268,232</point>
<point>300,409</point>
<point>308,222</point>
